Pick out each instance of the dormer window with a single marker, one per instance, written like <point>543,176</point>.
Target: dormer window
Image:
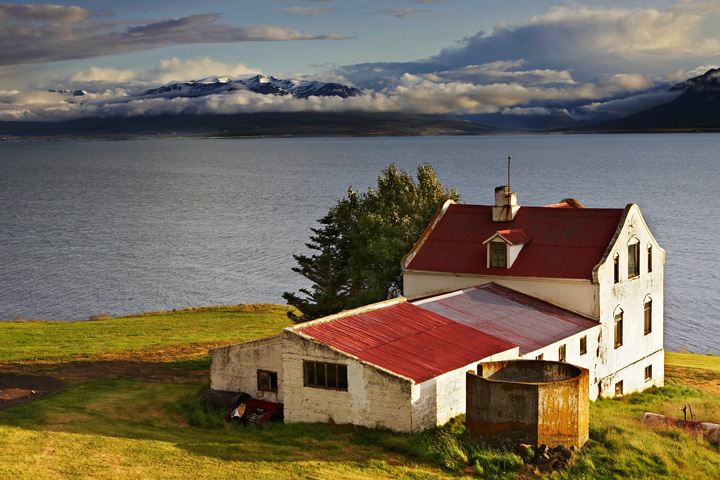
<point>504,247</point>
<point>498,255</point>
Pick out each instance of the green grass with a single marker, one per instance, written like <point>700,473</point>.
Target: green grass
<point>190,330</point>
<point>704,362</point>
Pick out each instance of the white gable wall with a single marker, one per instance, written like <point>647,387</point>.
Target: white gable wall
<point>626,363</point>
<point>234,367</point>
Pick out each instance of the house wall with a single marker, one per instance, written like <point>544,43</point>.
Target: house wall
<point>579,296</point>
<point>234,367</point>
<point>374,398</point>
<point>587,361</point>
<point>638,350</point>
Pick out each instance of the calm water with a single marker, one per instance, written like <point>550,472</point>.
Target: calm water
<point>116,228</point>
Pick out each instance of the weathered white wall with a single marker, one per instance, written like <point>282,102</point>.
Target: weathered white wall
<point>374,398</point>
<point>234,367</point>
<point>436,401</point>
<point>588,361</point>
<point>579,296</point>
<point>629,294</point>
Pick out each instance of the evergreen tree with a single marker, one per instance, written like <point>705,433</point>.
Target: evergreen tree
<point>361,241</point>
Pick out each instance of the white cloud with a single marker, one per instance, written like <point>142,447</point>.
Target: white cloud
<point>307,11</point>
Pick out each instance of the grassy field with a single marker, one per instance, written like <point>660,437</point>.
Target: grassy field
<point>132,427</point>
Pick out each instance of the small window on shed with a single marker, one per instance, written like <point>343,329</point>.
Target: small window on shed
<point>648,373</point>
<point>618,328</point>
<point>649,257</point>
<point>267,381</point>
<point>540,357</point>
<point>619,388</point>
<point>583,345</point>
<point>648,315</point>
<point>562,353</point>
<point>498,255</point>
<point>616,268</point>
<point>633,260</point>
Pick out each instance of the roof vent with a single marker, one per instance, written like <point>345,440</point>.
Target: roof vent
<point>505,205</point>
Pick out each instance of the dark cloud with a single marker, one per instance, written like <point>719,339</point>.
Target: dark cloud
<point>48,33</point>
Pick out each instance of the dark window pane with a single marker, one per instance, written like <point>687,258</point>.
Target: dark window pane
<point>331,375</point>
<point>310,373</point>
<point>633,259</point>
<point>320,372</point>
<point>342,377</point>
<point>498,255</point>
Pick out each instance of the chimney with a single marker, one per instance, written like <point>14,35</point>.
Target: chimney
<point>505,205</point>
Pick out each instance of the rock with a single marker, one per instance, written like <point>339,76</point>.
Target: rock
<point>525,451</point>
<point>564,452</point>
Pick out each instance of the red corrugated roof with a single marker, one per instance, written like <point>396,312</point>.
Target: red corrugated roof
<point>525,321</point>
<point>408,340</point>
<point>564,242</point>
<point>514,236</point>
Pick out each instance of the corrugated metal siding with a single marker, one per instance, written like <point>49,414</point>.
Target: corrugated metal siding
<point>525,321</point>
<point>411,341</point>
<point>564,242</point>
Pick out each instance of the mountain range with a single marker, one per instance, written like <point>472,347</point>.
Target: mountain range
<point>697,108</point>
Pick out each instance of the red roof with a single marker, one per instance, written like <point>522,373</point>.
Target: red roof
<point>564,242</point>
<point>514,236</point>
<point>525,321</point>
<point>408,340</point>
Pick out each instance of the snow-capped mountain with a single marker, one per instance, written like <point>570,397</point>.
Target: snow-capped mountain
<point>258,84</point>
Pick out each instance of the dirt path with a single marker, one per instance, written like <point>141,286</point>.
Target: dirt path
<point>20,383</point>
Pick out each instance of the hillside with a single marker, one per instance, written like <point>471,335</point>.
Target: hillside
<point>698,108</point>
<point>238,125</point>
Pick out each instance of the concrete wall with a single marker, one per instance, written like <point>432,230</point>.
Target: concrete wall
<point>528,401</point>
<point>374,398</point>
<point>234,367</point>
<point>629,294</point>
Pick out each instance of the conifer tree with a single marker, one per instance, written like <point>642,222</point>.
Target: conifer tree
<point>361,241</point>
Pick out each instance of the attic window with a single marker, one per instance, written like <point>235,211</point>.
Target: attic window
<point>649,259</point>
<point>498,255</point>
<point>634,259</point>
<point>616,268</point>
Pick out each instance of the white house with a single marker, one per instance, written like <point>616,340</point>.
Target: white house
<point>484,283</point>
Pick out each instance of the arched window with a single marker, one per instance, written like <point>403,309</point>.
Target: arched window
<point>647,308</point>
<point>618,327</point>
<point>616,268</point>
<point>633,258</point>
<point>649,257</point>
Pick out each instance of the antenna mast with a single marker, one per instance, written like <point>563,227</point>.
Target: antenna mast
<point>509,173</point>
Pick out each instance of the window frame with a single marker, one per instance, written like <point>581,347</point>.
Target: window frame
<point>271,379</point>
<point>647,316</point>
<point>501,259</point>
<point>583,345</point>
<point>618,329</point>
<point>616,268</point>
<point>562,353</point>
<point>619,388</point>
<point>648,373</point>
<point>649,258</point>
<point>323,374</point>
<point>633,259</point>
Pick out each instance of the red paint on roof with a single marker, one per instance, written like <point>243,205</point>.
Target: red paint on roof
<point>525,321</point>
<point>564,242</point>
<point>408,340</point>
<point>514,236</point>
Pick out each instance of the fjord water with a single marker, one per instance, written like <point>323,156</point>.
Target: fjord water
<point>90,228</point>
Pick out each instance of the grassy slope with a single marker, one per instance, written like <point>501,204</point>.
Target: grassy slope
<point>128,428</point>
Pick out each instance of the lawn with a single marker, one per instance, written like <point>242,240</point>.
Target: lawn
<point>133,428</point>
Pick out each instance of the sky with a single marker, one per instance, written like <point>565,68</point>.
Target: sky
<point>460,57</point>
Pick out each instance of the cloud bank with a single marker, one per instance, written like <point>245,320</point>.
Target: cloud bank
<point>51,33</point>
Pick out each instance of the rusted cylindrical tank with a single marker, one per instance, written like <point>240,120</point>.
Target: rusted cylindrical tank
<point>528,401</point>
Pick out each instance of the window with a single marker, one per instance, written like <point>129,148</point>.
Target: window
<point>649,259</point>
<point>583,345</point>
<point>325,375</point>
<point>267,381</point>
<point>648,315</point>
<point>618,328</point>
<point>619,388</point>
<point>562,353</point>
<point>616,268</point>
<point>633,260</point>
<point>498,255</point>
<point>540,357</point>
<point>648,373</point>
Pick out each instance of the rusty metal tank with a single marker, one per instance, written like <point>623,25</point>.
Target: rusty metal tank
<point>528,401</point>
